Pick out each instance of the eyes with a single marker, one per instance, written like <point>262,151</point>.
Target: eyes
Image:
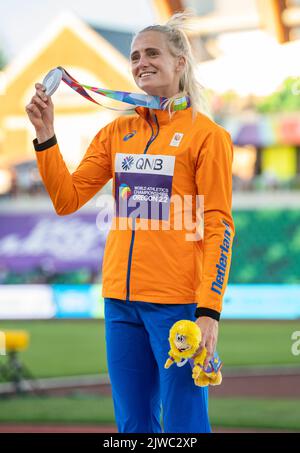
<point>149,52</point>
<point>180,338</point>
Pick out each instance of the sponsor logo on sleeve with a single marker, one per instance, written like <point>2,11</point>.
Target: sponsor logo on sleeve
<point>221,266</point>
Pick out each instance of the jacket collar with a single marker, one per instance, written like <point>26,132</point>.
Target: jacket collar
<point>163,115</point>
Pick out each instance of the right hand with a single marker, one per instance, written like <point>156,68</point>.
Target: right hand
<point>40,112</point>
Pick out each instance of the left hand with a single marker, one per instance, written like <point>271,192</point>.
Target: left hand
<point>209,330</point>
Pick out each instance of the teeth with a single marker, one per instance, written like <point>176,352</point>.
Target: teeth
<point>146,74</point>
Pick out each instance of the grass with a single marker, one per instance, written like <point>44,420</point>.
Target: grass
<point>226,412</point>
<point>62,348</point>
<point>257,343</point>
<point>256,413</point>
<point>66,348</point>
<point>76,409</point>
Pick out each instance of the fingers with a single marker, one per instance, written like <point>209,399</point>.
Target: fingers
<point>40,95</point>
<point>206,351</point>
<point>199,350</point>
<point>41,92</point>
<point>210,353</point>
<point>40,108</point>
<point>39,102</point>
<point>32,109</point>
<point>201,347</point>
<point>40,89</point>
<point>209,330</point>
<point>40,86</point>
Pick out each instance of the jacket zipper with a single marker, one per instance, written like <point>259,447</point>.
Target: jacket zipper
<point>150,141</point>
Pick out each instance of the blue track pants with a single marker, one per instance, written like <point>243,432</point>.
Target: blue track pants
<point>137,348</point>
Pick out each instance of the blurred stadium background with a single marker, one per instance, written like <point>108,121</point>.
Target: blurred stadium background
<point>248,60</point>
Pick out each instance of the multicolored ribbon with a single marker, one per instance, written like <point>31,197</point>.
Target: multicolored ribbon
<point>137,99</point>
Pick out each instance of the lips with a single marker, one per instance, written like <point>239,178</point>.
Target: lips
<point>146,74</point>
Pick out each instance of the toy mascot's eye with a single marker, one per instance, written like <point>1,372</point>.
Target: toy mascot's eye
<point>180,338</point>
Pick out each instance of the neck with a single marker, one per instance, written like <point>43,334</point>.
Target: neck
<point>165,93</point>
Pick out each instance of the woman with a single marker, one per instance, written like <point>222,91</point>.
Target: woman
<point>153,277</point>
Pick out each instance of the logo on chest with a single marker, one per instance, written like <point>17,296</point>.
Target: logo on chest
<point>150,163</point>
<point>129,136</point>
<point>177,137</point>
<point>143,183</point>
<point>127,163</point>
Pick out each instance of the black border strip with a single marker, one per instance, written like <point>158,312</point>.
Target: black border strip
<point>45,145</point>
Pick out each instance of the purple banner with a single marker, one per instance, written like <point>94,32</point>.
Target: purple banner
<point>32,240</point>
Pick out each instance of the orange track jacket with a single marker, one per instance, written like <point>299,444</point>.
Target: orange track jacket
<point>153,157</point>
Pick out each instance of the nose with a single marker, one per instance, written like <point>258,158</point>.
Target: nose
<point>143,63</point>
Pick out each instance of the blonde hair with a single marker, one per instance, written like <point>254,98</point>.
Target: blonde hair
<point>175,31</point>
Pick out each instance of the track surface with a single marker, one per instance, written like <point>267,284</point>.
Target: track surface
<point>265,386</point>
<point>27,428</point>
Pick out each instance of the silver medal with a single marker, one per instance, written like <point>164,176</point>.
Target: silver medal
<point>52,80</point>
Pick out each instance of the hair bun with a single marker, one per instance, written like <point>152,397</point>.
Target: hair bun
<point>181,21</point>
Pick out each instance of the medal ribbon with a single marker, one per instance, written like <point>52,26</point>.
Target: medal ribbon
<point>137,99</point>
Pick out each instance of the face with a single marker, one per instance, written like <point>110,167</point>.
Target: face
<point>181,343</point>
<point>153,67</point>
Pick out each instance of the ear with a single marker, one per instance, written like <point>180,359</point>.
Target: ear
<point>180,63</point>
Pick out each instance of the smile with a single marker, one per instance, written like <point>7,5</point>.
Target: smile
<point>183,349</point>
<point>146,74</point>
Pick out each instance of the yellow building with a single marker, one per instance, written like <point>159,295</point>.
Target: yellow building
<point>91,59</point>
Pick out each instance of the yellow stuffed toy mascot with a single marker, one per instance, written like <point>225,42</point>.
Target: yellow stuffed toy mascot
<point>184,339</point>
